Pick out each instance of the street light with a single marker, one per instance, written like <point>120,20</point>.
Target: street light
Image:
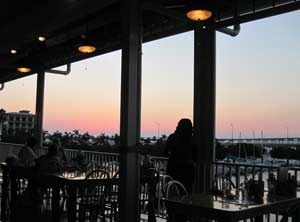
<point>253,140</point>
<point>158,129</point>
<point>231,133</point>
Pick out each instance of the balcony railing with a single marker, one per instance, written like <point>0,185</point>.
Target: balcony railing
<point>238,172</point>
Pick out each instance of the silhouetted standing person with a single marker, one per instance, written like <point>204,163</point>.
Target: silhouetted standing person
<point>181,149</point>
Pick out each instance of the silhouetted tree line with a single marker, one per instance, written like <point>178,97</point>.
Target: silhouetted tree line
<point>19,137</point>
<point>75,140</point>
<point>148,145</point>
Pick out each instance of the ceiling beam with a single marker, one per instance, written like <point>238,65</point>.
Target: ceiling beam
<point>166,30</point>
<point>272,11</point>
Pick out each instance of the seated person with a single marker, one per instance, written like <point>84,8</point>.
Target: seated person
<point>80,161</point>
<point>60,153</point>
<point>50,163</point>
<point>11,161</point>
<point>26,155</point>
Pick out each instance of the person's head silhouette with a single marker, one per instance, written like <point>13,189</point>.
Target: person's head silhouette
<point>52,150</point>
<point>184,127</point>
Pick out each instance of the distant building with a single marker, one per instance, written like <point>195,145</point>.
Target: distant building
<point>18,121</point>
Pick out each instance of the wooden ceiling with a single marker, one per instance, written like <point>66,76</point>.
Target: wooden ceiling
<point>64,22</point>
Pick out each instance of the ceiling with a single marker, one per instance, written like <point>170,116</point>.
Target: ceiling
<point>64,22</point>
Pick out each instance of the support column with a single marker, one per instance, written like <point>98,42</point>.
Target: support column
<point>130,111</point>
<point>39,108</point>
<point>204,103</point>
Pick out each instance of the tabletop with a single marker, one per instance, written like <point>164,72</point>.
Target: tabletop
<point>221,209</point>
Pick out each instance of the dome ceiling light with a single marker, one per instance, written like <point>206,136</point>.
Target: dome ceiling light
<point>86,46</point>
<point>23,69</point>
<point>199,10</point>
<point>42,38</point>
<point>13,51</point>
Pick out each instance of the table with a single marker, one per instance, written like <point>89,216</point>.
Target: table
<point>57,183</point>
<point>217,208</point>
<point>73,185</point>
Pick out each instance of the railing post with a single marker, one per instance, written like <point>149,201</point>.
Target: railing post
<point>5,194</point>
<point>13,195</point>
<point>237,175</point>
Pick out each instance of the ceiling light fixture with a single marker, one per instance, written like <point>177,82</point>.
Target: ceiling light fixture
<point>23,69</point>
<point>199,10</point>
<point>13,51</point>
<point>85,46</point>
<point>42,38</point>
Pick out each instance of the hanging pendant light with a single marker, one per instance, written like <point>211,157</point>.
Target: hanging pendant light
<point>86,46</point>
<point>13,51</point>
<point>23,69</point>
<point>199,10</point>
<point>25,64</point>
<point>42,38</point>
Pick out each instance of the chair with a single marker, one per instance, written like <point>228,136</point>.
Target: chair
<point>219,184</point>
<point>113,168</point>
<point>164,180</point>
<point>93,196</point>
<point>115,175</point>
<point>71,171</point>
<point>92,166</point>
<point>148,187</point>
<point>112,204</point>
<point>175,188</point>
<point>98,174</point>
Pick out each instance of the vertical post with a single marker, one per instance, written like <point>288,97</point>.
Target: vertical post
<point>130,111</point>
<point>204,103</point>
<point>39,108</point>
<point>5,192</point>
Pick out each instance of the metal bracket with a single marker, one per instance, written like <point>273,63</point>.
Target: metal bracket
<point>232,32</point>
<point>61,72</point>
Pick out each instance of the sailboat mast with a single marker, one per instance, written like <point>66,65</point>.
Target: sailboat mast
<point>240,137</point>
<point>253,144</point>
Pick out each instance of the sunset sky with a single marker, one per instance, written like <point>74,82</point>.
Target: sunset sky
<point>258,77</point>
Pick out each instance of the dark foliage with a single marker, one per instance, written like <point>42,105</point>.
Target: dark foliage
<point>152,146</point>
<point>286,152</point>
